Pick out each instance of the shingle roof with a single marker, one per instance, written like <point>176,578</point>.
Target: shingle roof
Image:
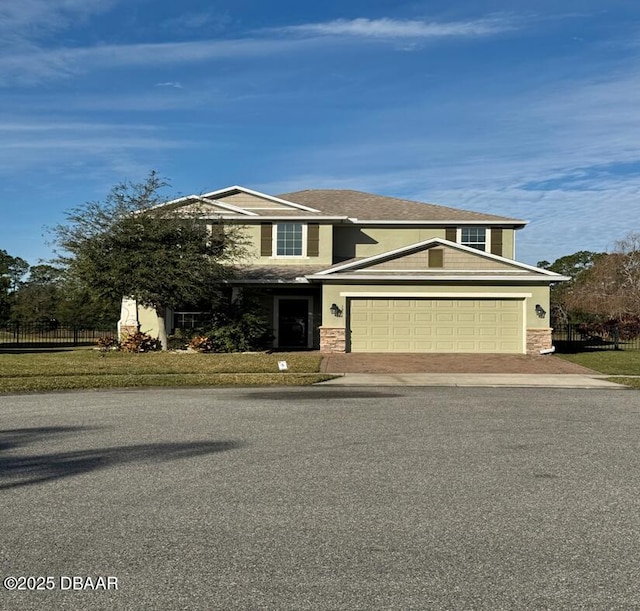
<point>275,273</point>
<point>371,207</point>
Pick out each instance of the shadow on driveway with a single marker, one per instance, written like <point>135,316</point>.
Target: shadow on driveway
<point>29,469</point>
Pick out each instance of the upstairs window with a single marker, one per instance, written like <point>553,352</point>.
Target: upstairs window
<point>289,240</point>
<point>474,237</point>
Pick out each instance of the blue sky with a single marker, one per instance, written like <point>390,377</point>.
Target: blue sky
<point>528,109</point>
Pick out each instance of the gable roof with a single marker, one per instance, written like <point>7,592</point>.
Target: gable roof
<point>240,203</point>
<point>368,207</point>
<point>502,268</point>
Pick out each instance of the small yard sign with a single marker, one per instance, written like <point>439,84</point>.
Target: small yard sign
<point>282,365</point>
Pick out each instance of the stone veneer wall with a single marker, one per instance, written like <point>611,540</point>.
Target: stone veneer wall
<point>332,339</point>
<point>538,339</point>
<point>127,329</point>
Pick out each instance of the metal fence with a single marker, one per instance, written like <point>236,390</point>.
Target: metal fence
<point>45,334</point>
<point>577,337</point>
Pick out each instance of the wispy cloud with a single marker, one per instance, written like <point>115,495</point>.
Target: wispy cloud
<point>27,145</point>
<point>396,28</point>
<point>29,20</point>
<point>190,21</point>
<point>31,64</point>
<point>174,84</point>
<point>41,64</point>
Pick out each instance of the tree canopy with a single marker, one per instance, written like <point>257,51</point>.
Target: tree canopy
<point>130,245</point>
<point>603,287</point>
<point>12,269</point>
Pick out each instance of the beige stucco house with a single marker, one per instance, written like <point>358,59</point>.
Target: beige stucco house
<point>341,270</point>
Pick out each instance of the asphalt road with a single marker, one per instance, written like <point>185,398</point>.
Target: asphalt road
<point>322,498</point>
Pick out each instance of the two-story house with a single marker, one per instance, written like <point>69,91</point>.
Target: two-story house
<point>343,270</point>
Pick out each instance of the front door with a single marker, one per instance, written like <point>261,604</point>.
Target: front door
<point>292,317</point>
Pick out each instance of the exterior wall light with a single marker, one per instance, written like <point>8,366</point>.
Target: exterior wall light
<point>540,311</point>
<point>335,310</point>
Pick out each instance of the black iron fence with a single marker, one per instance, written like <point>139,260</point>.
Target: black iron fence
<point>49,333</point>
<point>574,337</point>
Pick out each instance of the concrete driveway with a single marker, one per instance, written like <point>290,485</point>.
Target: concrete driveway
<point>323,498</point>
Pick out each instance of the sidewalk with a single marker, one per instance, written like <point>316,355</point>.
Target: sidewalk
<point>514,380</point>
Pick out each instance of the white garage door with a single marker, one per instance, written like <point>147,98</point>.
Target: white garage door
<point>437,325</point>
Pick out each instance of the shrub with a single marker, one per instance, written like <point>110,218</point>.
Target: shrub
<point>178,341</point>
<point>140,342</point>
<point>108,342</point>
<point>247,333</point>
<point>201,343</point>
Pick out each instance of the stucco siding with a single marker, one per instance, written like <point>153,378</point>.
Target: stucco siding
<point>148,320</point>
<point>363,241</point>
<point>252,234</point>
<point>539,294</point>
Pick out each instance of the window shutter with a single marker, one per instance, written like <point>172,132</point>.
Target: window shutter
<point>450,234</point>
<point>266,239</point>
<point>313,240</point>
<point>496,242</point>
<point>436,257</point>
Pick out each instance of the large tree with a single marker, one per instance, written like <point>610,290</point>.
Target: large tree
<point>49,293</point>
<point>130,245</point>
<point>610,289</point>
<point>576,266</point>
<point>39,295</point>
<point>12,269</point>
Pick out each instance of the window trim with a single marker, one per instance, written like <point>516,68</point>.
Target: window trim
<point>274,241</point>
<point>487,238</point>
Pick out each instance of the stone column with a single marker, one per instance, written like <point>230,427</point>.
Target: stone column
<point>538,339</point>
<point>128,322</point>
<point>332,339</point>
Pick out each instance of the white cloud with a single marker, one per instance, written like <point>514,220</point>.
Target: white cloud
<point>211,20</point>
<point>395,28</point>
<point>35,66</point>
<point>29,64</point>
<point>173,84</point>
<point>61,147</point>
<point>28,20</point>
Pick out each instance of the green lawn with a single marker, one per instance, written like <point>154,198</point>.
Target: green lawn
<point>613,362</point>
<point>88,369</point>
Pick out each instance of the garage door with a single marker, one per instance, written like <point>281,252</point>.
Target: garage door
<point>437,325</point>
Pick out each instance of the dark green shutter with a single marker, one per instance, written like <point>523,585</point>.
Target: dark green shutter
<point>450,234</point>
<point>266,239</point>
<point>496,242</point>
<point>436,257</point>
<point>313,240</point>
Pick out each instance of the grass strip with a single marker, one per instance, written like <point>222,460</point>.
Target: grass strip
<point>91,382</point>
<point>630,382</point>
<point>92,362</point>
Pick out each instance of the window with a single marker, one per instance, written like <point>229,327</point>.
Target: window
<point>289,240</point>
<point>474,237</point>
<point>190,320</point>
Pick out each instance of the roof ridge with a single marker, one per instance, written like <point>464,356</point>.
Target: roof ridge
<point>363,205</point>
